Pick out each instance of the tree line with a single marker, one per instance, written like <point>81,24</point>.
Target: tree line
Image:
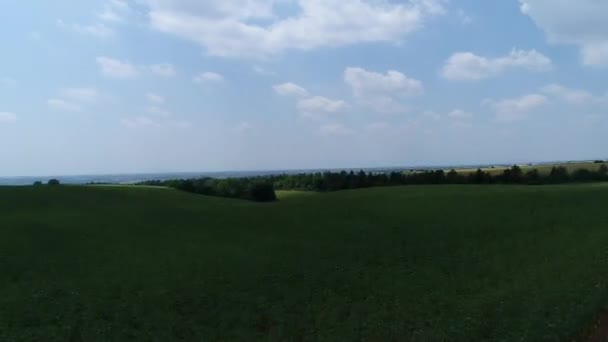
<point>262,189</point>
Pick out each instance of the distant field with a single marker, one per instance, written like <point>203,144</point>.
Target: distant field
<point>420,263</point>
<point>544,169</point>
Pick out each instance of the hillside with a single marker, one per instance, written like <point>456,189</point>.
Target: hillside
<point>404,263</point>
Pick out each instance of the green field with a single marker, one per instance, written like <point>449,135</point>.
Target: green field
<point>419,263</point>
<point>543,169</point>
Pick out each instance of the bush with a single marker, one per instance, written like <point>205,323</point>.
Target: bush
<point>54,182</point>
<point>37,183</point>
<point>262,192</point>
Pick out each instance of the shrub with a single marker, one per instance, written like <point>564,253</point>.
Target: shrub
<point>37,183</point>
<point>54,182</point>
<point>262,192</point>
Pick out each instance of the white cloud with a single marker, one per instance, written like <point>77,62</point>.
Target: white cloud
<point>164,69</point>
<point>154,98</point>
<point>570,95</point>
<point>98,30</point>
<point>81,94</point>
<point>459,114</point>
<point>465,19</point>
<point>582,23</point>
<point>115,11</point>
<point>229,28</point>
<point>313,106</point>
<point>290,89</point>
<point>336,129</point>
<point>7,117</point>
<point>467,66</point>
<point>381,91</point>
<point>509,110</point>
<point>64,106</point>
<point>209,77</point>
<point>117,69</point>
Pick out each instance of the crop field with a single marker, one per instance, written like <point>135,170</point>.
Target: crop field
<point>418,263</point>
<point>543,169</point>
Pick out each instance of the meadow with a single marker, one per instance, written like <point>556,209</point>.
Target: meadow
<point>543,169</point>
<point>414,263</point>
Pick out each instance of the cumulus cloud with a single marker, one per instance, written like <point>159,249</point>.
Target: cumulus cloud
<point>314,106</point>
<point>208,77</point>
<point>245,28</point>
<point>115,11</point>
<point>7,117</point>
<point>581,23</point>
<point>570,95</point>
<point>381,91</point>
<point>467,66</point>
<point>290,89</point>
<point>63,105</point>
<point>509,110</point>
<point>115,68</point>
<point>98,30</point>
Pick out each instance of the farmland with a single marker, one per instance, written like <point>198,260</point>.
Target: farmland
<point>420,263</point>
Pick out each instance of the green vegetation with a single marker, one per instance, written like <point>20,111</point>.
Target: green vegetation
<point>543,169</point>
<point>422,263</point>
<point>261,189</point>
<point>258,189</point>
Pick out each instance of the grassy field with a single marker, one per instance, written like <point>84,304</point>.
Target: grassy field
<point>420,263</point>
<point>543,169</point>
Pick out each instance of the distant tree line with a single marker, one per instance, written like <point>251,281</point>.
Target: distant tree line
<point>262,189</point>
<point>257,189</point>
<point>52,182</point>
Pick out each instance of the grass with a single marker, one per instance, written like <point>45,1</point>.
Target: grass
<point>420,263</point>
<point>543,169</point>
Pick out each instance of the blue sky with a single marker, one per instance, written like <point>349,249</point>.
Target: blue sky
<point>116,86</point>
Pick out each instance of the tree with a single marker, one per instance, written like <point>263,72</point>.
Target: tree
<point>533,177</point>
<point>582,175</point>
<point>54,182</point>
<point>37,183</point>
<point>453,177</point>
<point>262,192</point>
<point>513,175</point>
<point>559,174</point>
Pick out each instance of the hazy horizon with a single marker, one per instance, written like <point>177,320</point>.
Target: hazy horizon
<point>156,86</point>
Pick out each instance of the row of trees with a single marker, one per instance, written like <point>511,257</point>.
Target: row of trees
<point>253,189</point>
<point>262,189</point>
<point>515,175</point>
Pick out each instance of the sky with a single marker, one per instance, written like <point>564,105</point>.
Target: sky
<point>133,86</point>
